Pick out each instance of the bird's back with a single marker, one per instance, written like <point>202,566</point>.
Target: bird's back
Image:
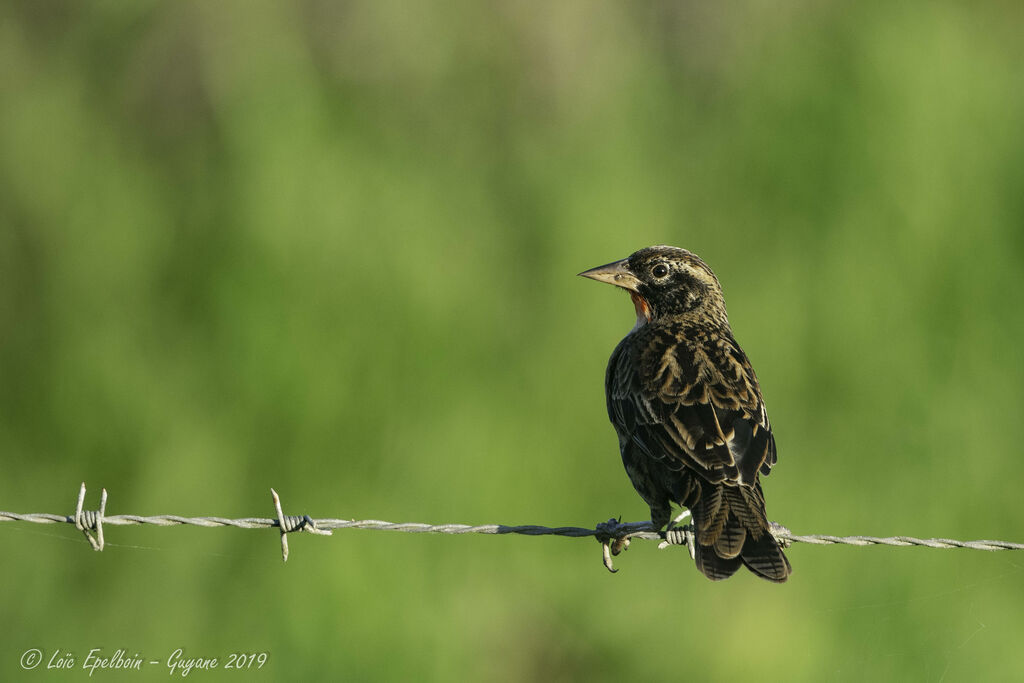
<point>693,431</point>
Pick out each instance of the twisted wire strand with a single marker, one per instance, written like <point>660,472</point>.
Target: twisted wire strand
<point>606,530</point>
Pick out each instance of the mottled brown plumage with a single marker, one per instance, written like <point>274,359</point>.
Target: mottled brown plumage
<point>688,411</point>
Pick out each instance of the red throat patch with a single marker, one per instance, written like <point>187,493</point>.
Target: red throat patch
<point>643,309</point>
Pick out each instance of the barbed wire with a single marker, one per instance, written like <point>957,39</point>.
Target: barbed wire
<point>613,535</point>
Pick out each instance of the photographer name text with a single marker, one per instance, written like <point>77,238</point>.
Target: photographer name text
<point>178,663</point>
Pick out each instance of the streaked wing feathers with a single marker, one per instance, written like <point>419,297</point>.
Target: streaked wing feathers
<point>698,404</point>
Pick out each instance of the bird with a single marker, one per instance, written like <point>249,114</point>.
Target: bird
<point>688,411</point>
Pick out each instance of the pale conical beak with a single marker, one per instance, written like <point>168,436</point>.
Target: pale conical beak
<point>616,273</point>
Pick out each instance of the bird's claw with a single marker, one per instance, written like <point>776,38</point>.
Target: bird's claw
<point>680,536</point>
<point>782,534</point>
<point>611,544</point>
<point>607,557</point>
<point>611,548</point>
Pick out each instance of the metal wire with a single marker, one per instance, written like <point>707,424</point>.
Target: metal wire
<point>611,533</point>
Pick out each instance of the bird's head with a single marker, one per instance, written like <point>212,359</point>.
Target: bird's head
<point>665,282</point>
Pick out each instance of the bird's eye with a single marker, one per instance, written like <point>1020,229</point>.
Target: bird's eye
<point>659,271</point>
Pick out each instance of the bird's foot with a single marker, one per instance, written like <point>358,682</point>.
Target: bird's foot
<point>685,514</point>
<point>782,534</point>
<point>679,535</point>
<point>612,543</point>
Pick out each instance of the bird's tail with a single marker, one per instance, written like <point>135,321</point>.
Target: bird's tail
<point>731,527</point>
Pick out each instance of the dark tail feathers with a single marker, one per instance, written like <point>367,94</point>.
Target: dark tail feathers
<point>732,530</point>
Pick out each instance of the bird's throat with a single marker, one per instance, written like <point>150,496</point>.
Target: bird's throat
<point>643,309</point>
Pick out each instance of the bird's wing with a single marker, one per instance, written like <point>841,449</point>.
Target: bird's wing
<point>696,404</point>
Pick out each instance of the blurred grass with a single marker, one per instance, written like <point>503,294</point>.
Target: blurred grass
<point>331,247</point>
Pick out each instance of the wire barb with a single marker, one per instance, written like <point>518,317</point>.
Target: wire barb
<point>290,523</point>
<point>614,535</point>
<point>89,520</point>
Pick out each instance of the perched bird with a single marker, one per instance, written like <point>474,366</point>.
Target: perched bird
<point>688,411</point>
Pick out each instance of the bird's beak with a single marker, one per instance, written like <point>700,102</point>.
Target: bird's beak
<point>617,273</point>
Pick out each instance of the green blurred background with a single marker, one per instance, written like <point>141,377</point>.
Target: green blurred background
<point>331,248</point>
